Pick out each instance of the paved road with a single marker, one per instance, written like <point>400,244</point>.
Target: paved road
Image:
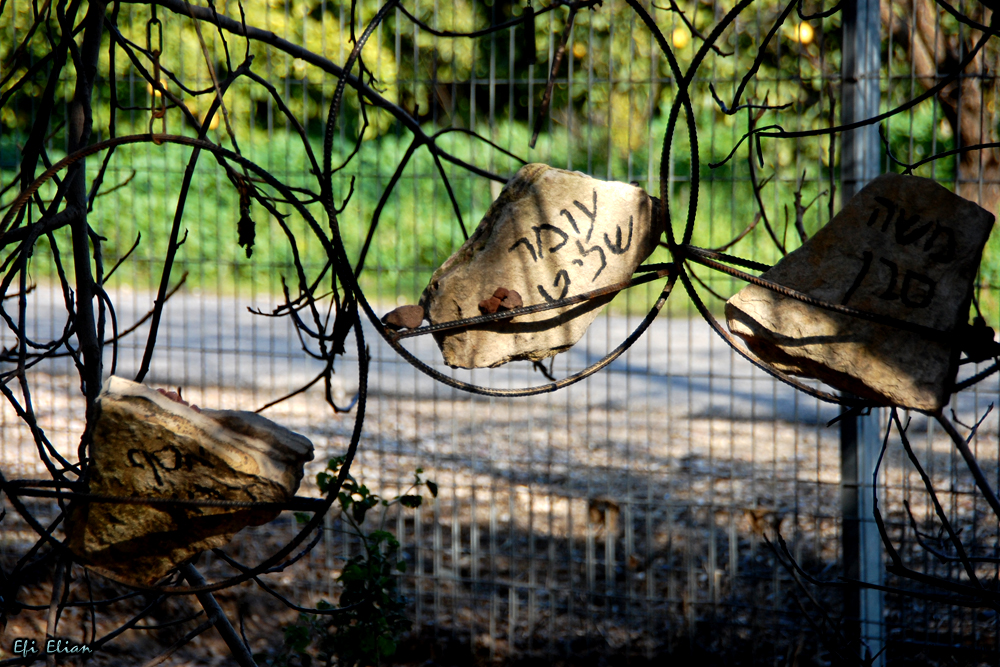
<point>211,340</point>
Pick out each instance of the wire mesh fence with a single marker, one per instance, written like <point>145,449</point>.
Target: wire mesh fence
<point>681,503</point>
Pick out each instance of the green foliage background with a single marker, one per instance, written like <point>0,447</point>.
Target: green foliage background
<point>608,119</point>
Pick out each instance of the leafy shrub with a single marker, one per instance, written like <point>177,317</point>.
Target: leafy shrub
<point>371,614</point>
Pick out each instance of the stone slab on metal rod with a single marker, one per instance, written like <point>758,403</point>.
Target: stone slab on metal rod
<point>149,446</point>
<point>904,247</point>
<point>550,234</point>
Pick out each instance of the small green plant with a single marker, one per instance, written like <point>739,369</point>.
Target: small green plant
<point>371,614</point>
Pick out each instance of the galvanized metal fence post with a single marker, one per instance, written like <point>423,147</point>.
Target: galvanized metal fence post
<point>860,436</point>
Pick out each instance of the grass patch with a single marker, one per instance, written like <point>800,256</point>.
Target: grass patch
<point>418,227</point>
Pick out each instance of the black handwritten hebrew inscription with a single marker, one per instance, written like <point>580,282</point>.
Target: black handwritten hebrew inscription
<point>551,234</point>
<point>616,248</point>
<point>934,239</point>
<point>903,247</point>
<point>539,250</point>
<point>586,251</point>
<point>166,460</point>
<point>565,279</point>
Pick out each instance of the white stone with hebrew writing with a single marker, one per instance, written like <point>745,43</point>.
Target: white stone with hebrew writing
<point>550,234</point>
<point>904,247</point>
<point>146,445</point>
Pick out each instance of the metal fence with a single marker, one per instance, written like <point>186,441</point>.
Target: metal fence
<point>654,510</point>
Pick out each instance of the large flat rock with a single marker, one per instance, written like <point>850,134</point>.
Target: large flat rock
<point>149,446</point>
<point>904,247</point>
<point>550,234</point>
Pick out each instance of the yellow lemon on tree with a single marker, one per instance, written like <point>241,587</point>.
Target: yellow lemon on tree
<point>680,38</point>
<point>804,33</point>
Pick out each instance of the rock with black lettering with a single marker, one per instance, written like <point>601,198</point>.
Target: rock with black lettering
<point>903,247</point>
<point>147,446</point>
<point>549,235</point>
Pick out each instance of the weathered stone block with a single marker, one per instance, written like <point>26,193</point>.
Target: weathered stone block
<point>147,445</point>
<point>904,247</point>
<point>550,234</point>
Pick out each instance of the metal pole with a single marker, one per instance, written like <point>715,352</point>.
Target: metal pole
<point>860,437</point>
<point>241,652</point>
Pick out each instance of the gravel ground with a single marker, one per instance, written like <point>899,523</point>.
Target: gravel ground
<point>625,515</point>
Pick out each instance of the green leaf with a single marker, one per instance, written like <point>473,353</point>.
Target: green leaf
<point>401,566</point>
<point>385,645</point>
<point>323,481</point>
<point>352,573</point>
<point>345,500</point>
<point>377,536</point>
<point>411,501</point>
<point>433,488</point>
<point>302,517</point>
<point>360,509</point>
<point>297,637</point>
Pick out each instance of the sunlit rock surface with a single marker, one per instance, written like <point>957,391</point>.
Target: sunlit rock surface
<point>904,247</point>
<point>149,446</point>
<point>550,234</point>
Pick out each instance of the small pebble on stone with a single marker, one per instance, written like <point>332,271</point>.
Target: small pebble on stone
<point>404,317</point>
<point>489,306</point>
<point>175,396</point>
<point>512,300</point>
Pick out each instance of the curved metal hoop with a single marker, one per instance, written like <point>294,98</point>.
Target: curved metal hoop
<point>344,274</point>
